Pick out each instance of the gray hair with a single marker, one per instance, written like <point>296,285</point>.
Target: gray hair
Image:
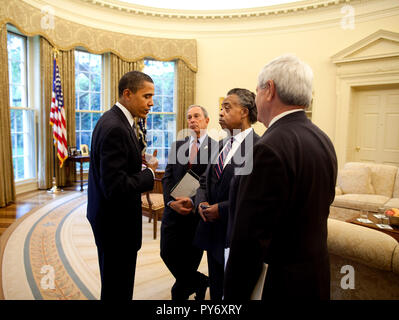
<point>247,100</point>
<point>202,108</point>
<point>292,77</point>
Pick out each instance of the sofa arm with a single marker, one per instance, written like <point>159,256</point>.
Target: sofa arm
<point>338,191</point>
<point>364,245</point>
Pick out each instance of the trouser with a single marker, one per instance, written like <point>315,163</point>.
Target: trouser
<point>117,270</point>
<point>182,260</point>
<point>216,277</point>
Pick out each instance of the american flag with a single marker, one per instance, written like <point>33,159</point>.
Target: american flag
<point>57,117</point>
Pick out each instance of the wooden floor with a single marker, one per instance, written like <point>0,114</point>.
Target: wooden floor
<point>25,202</point>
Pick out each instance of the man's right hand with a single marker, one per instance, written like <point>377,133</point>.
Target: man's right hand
<point>200,210</point>
<point>153,162</point>
<point>182,205</point>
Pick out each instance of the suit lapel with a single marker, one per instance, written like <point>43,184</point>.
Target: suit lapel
<point>126,123</point>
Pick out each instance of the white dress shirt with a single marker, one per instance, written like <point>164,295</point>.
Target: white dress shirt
<point>130,119</point>
<point>238,139</point>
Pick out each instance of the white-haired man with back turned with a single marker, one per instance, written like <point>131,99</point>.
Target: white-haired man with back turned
<point>283,206</point>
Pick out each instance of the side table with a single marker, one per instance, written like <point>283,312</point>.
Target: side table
<point>81,160</point>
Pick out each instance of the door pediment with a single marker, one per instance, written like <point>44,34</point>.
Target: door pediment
<point>379,45</point>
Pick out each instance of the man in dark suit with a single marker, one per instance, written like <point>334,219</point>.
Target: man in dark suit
<point>237,114</point>
<point>283,206</point>
<point>178,221</point>
<point>116,181</point>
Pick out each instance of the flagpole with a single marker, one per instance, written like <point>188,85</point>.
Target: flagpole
<point>54,188</point>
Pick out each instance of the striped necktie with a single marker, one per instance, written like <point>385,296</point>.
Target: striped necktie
<point>222,156</point>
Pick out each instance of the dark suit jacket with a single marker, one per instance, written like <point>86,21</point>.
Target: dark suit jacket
<point>211,236</point>
<point>281,214</point>
<point>233,194</point>
<point>116,181</point>
<point>176,169</point>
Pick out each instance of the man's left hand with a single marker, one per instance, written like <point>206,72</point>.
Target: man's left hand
<point>212,213</point>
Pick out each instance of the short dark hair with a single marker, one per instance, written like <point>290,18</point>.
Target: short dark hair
<point>133,81</point>
<point>247,100</point>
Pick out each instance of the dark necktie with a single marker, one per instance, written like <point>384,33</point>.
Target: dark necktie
<point>222,156</point>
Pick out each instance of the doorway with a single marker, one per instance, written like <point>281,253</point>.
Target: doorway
<point>375,125</point>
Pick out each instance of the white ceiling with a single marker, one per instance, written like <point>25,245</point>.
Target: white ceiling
<point>207,4</point>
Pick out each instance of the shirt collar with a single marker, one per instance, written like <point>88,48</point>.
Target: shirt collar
<point>126,112</point>
<point>239,137</point>
<point>281,115</point>
<point>200,139</point>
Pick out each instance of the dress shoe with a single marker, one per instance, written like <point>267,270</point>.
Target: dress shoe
<point>200,292</point>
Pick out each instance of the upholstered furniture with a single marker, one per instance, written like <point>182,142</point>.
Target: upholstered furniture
<point>152,204</point>
<point>374,257</point>
<point>367,186</point>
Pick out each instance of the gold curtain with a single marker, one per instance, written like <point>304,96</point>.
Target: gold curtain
<point>118,68</point>
<point>66,63</point>
<point>7,186</point>
<point>185,93</point>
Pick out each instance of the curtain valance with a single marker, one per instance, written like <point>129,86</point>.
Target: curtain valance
<point>66,35</point>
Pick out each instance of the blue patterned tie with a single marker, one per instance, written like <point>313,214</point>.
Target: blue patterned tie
<point>222,156</point>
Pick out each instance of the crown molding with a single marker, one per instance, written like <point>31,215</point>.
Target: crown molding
<point>300,6</point>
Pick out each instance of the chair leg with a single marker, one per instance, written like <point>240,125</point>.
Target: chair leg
<point>155,224</point>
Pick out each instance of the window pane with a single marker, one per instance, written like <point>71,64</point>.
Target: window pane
<point>83,81</point>
<point>169,122</point>
<point>167,104</point>
<point>95,63</point>
<point>20,168</point>
<point>78,140</point>
<point>85,122</point>
<point>12,119</point>
<point>20,144</point>
<point>157,139</point>
<point>19,120</point>
<point>157,121</point>
<point>95,82</point>
<point>83,60</point>
<point>96,116</point>
<point>149,122</point>
<point>16,96</point>
<point>157,85</point>
<point>77,121</point>
<point>23,143</point>
<point>95,101</point>
<point>86,136</point>
<point>16,72</point>
<point>83,101</point>
<point>169,136</point>
<point>157,104</point>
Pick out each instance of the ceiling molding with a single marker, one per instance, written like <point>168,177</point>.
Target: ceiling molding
<point>301,6</point>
